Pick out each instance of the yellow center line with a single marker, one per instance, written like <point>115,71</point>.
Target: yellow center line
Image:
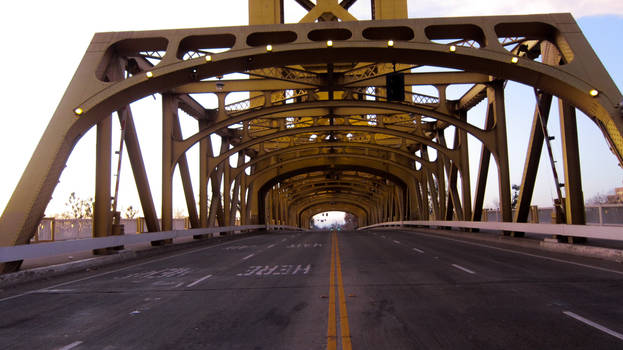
<point>346,343</point>
<point>332,328</point>
<point>336,269</point>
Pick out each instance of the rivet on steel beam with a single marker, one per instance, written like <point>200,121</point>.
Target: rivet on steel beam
<point>149,74</point>
<point>594,92</point>
<point>78,111</point>
<point>390,43</point>
<point>269,48</point>
<point>329,43</point>
<point>452,48</point>
<point>208,58</point>
<point>515,59</point>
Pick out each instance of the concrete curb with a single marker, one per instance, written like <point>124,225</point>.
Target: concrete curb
<point>583,250</point>
<point>610,254</point>
<point>40,273</point>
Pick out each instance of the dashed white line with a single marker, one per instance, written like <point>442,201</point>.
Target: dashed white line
<point>56,291</point>
<point>199,280</point>
<point>71,346</point>
<point>463,269</point>
<point>122,269</point>
<point>397,242</point>
<point>593,324</point>
<point>270,246</point>
<point>525,254</point>
<point>285,239</point>
<point>418,250</point>
<point>248,256</point>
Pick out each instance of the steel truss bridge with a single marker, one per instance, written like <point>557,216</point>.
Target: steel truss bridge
<point>331,121</point>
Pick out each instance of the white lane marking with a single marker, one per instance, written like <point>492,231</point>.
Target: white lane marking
<point>179,285</point>
<point>463,269</point>
<point>418,250</point>
<point>397,242</point>
<point>383,236</point>
<point>56,291</point>
<point>71,346</point>
<point>270,246</point>
<point>248,256</point>
<point>285,239</point>
<point>526,254</point>
<point>122,269</point>
<point>199,280</point>
<point>593,324</point>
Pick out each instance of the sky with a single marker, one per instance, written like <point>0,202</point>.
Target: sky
<point>44,41</point>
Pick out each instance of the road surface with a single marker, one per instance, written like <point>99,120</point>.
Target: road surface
<point>321,290</point>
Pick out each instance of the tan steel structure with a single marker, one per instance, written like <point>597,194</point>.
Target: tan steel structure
<point>318,132</point>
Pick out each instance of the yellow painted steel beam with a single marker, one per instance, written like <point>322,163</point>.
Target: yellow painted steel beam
<point>93,94</point>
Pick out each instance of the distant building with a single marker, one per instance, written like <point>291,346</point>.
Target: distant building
<point>617,197</point>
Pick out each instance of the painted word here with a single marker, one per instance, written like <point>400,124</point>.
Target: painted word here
<point>276,270</point>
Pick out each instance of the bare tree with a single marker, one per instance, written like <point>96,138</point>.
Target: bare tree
<point>597,198</point>
<point>78,208</point>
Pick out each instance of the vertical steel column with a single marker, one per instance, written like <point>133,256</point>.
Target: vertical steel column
<point>574,202</point>
<point>185,175</point>
<point>495,95</point>
<point>169,107</point>
<point>216,177</point>
<point>463,167</point>
<point>432,189</point>
<point>441,186</point>
<point>483,171</point>
<point>250,201</point>
<point>533,157</point>
<point>422,194</point>
<point>116,72</point>
<point>138,169</point>
<point>243,199</point>
<point>101,209</point>
<point>237,191</point>
<point>227,200</point>
<point>203,176</point>
<point>453,202</point>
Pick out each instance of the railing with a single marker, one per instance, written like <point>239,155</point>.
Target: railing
<point>601,214</point>
<point>52,229</point>
<point>601,232</point>
<point>40,250</point>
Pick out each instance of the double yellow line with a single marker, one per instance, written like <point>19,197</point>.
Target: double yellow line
<point>336,269</point>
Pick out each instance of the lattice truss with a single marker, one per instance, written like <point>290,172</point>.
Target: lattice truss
<point>316,128</point>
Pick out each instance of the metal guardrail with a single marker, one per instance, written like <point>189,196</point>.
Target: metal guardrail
<point>40,250</point>
<point>601,232</point>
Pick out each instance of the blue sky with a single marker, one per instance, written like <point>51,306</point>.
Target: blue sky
<point>44,41</point>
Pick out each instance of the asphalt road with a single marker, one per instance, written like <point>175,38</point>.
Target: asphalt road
<point>318,290</point>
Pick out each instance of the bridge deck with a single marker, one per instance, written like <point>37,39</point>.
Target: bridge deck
<point>400,290</point>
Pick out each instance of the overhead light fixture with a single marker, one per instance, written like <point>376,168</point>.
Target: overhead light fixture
<point>515,59</point>
<point>329,43</point>
<point>208,58</point>
<point>220,86</point>
<point>149,74</point>
<point>78,111</point>
<point>269,48</point>
<point>452,48</point>
<point>594,92</point>
<point>390,43</point>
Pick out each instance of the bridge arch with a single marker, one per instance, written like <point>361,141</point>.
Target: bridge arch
<point>114,73</point>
